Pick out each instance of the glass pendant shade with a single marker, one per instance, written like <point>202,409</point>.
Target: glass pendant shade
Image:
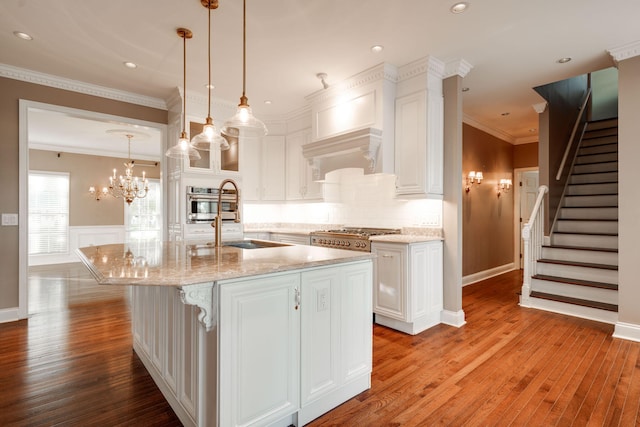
<point>245,120</point>
<point>183,149</point>
<point>209,137</point>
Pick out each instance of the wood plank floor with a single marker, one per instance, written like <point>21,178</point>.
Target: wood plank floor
<point>71,364</point>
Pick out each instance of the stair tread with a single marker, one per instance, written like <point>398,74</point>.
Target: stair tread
<point>589,207</point>
<point>585,233</point>
<point>598,154</point>
<point>580,248</point>
<point>579,282</point>
<point>575,301</point>
<point>579,264</point>
<point>586,219</point>
<point>591,195</point>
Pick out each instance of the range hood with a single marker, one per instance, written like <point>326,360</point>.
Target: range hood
<point>356,149</point>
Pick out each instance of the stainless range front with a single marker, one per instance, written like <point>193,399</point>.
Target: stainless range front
<point>352,238</point>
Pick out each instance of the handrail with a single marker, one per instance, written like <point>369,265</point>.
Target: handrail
<point>583,109</point>
<point>533,235</point>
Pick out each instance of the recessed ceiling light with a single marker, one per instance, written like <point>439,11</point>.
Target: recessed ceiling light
<point>22,35</point>
<point>564,60</point>
<point>377,48</point>
<point>267,102</point>
<point>459,7</point>
<point>130,65</point>
<point>505,114</point>
<point>465,89</point>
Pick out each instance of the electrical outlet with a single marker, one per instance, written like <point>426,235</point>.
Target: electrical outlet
<point>323,299</point>
<point>9,219</point>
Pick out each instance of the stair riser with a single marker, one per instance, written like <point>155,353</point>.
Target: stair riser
<point>607,296</point>
<point>596,227</point>
<point>597,158</point>
<point>592,189</point>
<point>588,213</point>
<point>590,201</point>
<point>602,124</point>
<point>596,133</point>
<point>594,178</point>
<point>597,167</point>
<point>585,241</point>
<point>590,142</point>
<point>578,272</point>
<point>577,255</point>
<point>598,149</point>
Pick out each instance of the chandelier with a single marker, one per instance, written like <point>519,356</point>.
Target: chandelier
<point>127,186</point>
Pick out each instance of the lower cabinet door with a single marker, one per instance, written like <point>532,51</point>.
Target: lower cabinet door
<point>389,293</point>
<point>259,350</point>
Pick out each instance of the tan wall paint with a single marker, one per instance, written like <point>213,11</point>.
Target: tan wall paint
<point>525,155</point>
<point>12,91</point>
<point>487,220</point>
<point>629,202</point>
<point>84,171</point>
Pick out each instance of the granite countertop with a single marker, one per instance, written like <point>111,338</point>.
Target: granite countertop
<point>187,263</point>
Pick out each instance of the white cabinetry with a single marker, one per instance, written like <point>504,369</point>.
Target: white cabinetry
<point>407,293</point>
<point>419,150</point>
<point>262,163</point>
<point>259,350</point>
<point>293,238</point>
<point>336,337</point>
<point>299,178</point>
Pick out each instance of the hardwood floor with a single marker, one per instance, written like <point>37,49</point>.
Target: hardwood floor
<point>71,363</point>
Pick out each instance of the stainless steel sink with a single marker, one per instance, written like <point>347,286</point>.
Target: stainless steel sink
<point>254,244</point>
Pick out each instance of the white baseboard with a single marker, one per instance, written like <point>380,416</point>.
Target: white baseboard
<point>627,331</point>
<point>453,318</point>
<point>486,274</point>
<point>9,314</point>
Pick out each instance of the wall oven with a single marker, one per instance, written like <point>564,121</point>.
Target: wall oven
<point>202,204</point>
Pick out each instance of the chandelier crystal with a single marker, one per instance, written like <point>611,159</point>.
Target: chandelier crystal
<point>127,186</point>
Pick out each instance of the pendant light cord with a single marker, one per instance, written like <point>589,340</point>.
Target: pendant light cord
<point>184,83</point>
<point>244,47</point>
<point>209,59</point>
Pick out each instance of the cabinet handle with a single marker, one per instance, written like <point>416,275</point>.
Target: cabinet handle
<point>297,292</point>
<point>387,256</point>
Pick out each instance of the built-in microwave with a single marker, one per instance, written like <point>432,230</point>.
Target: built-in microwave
<point>202,204</point>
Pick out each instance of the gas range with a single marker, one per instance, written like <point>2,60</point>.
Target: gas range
<point>352,238</point>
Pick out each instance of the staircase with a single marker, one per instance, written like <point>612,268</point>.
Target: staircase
<point>577,273</point>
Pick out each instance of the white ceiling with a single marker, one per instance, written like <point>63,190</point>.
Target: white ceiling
<point>513,45</point>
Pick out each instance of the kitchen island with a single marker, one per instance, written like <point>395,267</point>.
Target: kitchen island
<point>268,334</point>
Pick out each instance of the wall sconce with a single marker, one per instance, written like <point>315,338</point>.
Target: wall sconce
<point>504,186</point>
<point>98,194</point>
<point>473,178</point>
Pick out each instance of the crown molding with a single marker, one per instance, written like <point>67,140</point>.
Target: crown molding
<point>540,107</point>
<point>494,132</point>
<point>378,73</point>
<point>625,51</point>
<point>526,140</point>
<point>428,64</point>
<point>458,67</point>
<point>43,79</point>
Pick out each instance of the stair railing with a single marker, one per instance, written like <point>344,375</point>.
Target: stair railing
<point>533,235</point>
<point>581,119</point>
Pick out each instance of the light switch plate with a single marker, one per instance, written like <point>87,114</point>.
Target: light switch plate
<point>9,219</point>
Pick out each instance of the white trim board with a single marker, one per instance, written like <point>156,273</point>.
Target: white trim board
<point>9,314</point>
<point>487,274</point>
<point>627,331</point>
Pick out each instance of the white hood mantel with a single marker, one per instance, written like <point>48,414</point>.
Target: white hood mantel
<point>358,149</point>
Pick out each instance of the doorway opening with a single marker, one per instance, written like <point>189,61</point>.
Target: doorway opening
<point>526,190</point>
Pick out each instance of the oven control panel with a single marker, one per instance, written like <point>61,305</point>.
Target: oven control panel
<point>341,243</point>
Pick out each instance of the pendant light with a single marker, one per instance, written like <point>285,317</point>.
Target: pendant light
<point>209,136</point>
<point>244,118</point>
<point>183,149</point>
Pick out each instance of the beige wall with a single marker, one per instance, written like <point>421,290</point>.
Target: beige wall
<point>629,202</point>
<point>12,91</point>
<point>525,155</point>
<point>84,171</point>
<point>487,220</point>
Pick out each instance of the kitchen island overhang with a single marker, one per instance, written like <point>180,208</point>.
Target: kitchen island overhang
<point>207,359</point>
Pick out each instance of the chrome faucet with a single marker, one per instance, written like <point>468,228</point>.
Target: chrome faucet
<point>217,221</point>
